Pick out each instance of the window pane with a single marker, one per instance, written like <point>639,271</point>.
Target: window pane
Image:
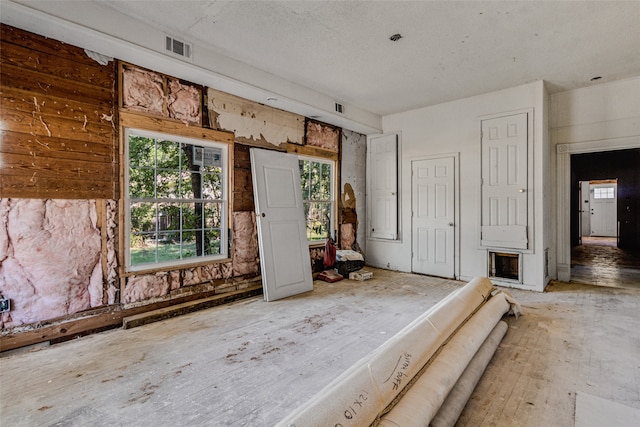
<point>142,249</point>
<point>316,184</point>
<point>191,218</point>
<point>318,216</point>
<point>162,170</point>
<point>211,186</point>
<point>167,184</point>
<point>212,215</point>
<point>169,249</point>
<point>189,243</point>
<point>141,183</point>
<point>325,180</point>
<point>212,242</point>
<point>168,155</point>
<point>141,151</point>
<point>316,180</point>
<point>304,178</point>
<point>143,217</point>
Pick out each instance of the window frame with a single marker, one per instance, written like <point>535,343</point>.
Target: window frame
<point>333,200</point>
<point>168,135</point>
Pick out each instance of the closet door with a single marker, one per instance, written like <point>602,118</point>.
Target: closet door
<point>504,182</point>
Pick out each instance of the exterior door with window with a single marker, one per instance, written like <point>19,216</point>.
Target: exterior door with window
<point>282,235</point>
<point>432,220</point>
<point>603,210</point>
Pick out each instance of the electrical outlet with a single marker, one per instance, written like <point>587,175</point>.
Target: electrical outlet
<point>5,305</point>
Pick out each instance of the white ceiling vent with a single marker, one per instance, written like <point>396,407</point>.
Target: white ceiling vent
<point>178,47</point>
<point>339,108</point>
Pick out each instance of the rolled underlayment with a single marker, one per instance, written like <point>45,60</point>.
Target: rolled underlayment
<point>425,397</point>
<point>459,395</point>
<point>363,391</point>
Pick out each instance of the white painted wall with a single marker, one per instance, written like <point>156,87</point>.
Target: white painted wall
<point>602,117</point>
<point>454,127</point>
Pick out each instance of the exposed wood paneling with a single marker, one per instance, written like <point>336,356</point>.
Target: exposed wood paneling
<point>44,84</point>
<point>43,44</point>
<point>57,127</point>
<point>47,167</point>
<point>26,101</point>
<point>44,146</point>
<point>28,59</point>
<point>243,185</point>
<point>307,150</point>
<point>160,124</point>
<point>34,187</point>
<point>57,108</point>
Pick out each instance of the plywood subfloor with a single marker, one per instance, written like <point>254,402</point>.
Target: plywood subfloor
<point>250,363</point>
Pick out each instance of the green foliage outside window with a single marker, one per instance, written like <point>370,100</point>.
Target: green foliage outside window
<point>176,201</point>
<point>316,179</point>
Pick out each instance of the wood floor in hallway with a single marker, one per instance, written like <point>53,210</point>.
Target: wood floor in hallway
<point>250,363</point>
<point>598,261</point>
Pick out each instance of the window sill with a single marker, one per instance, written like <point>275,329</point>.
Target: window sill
<point>128,273</point>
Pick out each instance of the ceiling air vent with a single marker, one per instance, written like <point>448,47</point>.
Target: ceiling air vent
<point>177,47</point>
<point>339,108</point>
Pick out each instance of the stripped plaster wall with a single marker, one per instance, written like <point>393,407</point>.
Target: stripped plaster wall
<point>353,172</point>
<point>252,123</point>
<point>60,256</point>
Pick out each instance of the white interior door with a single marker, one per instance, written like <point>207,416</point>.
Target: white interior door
<point>604,220</point>
<point>282,237</point>
<point>585,209</point>
<point>432,217</point>
<point>504,182</point>
<point>383,186</point>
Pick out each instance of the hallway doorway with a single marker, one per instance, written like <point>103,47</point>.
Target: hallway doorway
<point>605,216</point>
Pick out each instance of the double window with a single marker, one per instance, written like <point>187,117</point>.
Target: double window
<point>317,177</point>
<point>176,200</point>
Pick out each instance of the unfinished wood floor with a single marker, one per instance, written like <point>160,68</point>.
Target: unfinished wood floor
<point>250,363</point>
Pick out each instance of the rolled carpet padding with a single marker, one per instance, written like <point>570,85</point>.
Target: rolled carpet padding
<point>459,395</point>
<point>357,396</point>
<point>422,401</point>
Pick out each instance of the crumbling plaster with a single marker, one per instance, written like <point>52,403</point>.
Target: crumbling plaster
<point>353,172</point>
<point>253,123</point>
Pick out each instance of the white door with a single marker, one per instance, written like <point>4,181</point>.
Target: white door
<point>383,168</point>
<point>432,219</point>
<point>282,236</point>
<point>504,182</point>
<point>604,220</point>
<point>585,209</point>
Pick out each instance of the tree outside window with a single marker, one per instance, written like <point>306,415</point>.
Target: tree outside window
<point>317,181</point>
<point>176,200</point>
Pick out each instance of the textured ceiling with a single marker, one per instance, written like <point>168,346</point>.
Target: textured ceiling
<point>448,50</point>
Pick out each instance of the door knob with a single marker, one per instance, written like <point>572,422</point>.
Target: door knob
<point>522,190</point>
<point>450,224</point>
<point>263,215</point>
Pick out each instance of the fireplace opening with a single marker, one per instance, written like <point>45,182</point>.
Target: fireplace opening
<point>504,265</point>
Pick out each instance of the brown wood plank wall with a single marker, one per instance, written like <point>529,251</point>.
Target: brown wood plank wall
<point>57,121</point>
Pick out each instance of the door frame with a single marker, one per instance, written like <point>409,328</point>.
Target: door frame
<point>563,192</point>
<point>456,205</point>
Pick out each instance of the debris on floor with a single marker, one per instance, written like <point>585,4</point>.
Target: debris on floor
<point>360,275</point>
<point>330,276</point>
